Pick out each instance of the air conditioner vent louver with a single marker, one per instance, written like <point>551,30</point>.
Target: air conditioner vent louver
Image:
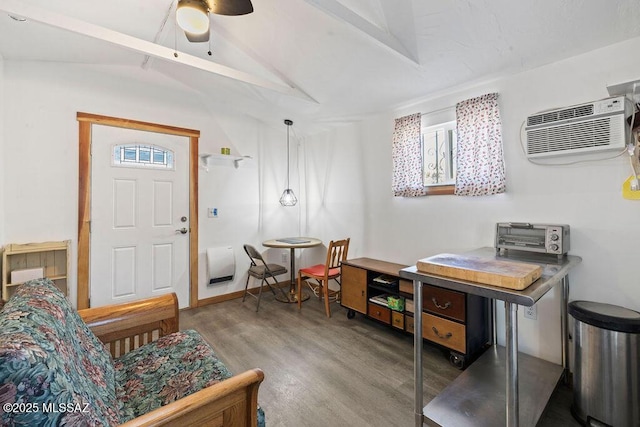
<point>594,133</point>
<point>556,116</point>
<point>584,128</point>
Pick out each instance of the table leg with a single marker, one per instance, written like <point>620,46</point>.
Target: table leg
<point>494,322</point>
<point>565,329</point>
<point>511,326</point>
<point>291,296</point>
<point>417,352</point>
<point>292,264</point>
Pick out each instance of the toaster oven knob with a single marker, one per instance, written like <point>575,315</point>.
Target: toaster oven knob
<point>554,237</point>
<point>554,247</point>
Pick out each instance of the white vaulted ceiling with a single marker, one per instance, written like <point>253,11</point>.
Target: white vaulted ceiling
<point>319,60</point>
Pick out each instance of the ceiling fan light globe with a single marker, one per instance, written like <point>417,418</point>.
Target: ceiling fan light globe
<point>193,16</point>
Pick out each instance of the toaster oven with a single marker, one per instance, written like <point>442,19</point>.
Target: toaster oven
<point>541,238</point>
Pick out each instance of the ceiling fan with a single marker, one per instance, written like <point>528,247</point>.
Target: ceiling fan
<point>193,15</point>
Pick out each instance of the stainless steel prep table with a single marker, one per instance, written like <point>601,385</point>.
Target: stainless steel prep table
<point>487,393</point>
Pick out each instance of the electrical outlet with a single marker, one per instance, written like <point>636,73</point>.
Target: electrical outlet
<point>284,257</point>
<point>531,312</point>
<point>212,212</point>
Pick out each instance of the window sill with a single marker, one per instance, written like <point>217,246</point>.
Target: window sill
<point>440,190</point>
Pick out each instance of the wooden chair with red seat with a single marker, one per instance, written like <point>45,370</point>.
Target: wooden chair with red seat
<point>322,273</point>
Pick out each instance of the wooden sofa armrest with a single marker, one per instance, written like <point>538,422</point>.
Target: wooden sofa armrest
<point>229,403</point>
<point>124,327</point>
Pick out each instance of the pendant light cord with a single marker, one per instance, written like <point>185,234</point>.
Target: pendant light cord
<point>288,123</point>
<point>288,183</point>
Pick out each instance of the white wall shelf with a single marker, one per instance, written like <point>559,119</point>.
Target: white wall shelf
<point>220,158</point>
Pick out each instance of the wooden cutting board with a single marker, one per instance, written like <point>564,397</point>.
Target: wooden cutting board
<point>488,271</point>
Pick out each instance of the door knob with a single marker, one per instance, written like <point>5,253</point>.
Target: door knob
<point>183,230</point>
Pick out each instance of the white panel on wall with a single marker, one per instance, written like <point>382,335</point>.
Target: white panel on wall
<point>124,271</point>
<point>162,272</point>
<point>162,203</point>
<point>124,192</point>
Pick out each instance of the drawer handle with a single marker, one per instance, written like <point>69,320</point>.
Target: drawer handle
<point>444,337</point>
<point>441,307</point>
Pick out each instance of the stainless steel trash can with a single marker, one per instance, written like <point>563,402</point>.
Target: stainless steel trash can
<point>606,379</point>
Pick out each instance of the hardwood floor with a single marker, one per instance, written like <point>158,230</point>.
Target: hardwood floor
<point>330,372</point>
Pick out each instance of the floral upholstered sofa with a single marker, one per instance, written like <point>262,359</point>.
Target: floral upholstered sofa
<point>56,371</point>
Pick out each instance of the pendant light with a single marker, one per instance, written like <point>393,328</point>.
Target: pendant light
<point>288,198</point>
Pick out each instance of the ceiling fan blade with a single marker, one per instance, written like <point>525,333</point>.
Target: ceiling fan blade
<point>197,38</point>
<point>230,7</point>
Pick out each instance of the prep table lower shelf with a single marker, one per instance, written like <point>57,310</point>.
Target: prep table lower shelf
<point>477,397</point>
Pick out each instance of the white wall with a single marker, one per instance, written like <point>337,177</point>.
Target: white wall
<point>333,190</point>
<point>247,200</point>
<point>605,227</point>
<point>40,155</point>
<point>2,157</point>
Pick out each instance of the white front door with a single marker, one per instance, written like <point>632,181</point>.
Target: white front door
<point>139,216</point>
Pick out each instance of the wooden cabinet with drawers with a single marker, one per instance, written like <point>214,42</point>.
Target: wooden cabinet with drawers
<point>456,321</point>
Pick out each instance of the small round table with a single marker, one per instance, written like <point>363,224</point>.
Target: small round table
<point>292,243</point>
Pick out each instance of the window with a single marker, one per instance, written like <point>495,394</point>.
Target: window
<point>439,155</point>
<point>142,156</point>
<point>461,156</point>
<point>424,154</point>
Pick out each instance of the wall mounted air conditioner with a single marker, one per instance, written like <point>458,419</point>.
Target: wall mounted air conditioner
<point>586,128</point>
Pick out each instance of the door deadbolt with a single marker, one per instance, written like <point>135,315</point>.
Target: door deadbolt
<point>183,219</point>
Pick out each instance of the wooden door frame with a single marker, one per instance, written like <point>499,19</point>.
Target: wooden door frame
<point>85,120</point>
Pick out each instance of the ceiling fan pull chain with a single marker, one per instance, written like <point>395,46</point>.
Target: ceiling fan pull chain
<point>209,52</point>
<point>175,35</point>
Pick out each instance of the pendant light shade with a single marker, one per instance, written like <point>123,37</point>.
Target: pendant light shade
<point>288,198</point>
<point>193,16</point>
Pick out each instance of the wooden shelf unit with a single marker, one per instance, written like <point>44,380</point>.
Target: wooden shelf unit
<point>53,257</point>
<point>456,321</point>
